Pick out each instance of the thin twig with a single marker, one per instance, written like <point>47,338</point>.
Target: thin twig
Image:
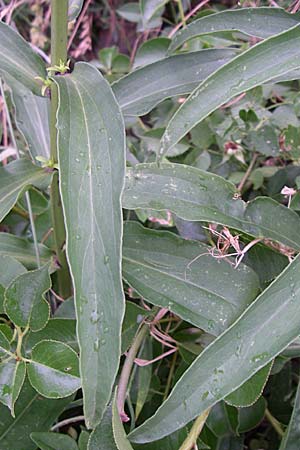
<point>274,422</point>
<point>27,196</point>
<point>195,431</point>
<point>65,422</point>
<point>248,172</point>
<point>190,14</point>
<point>79,20</point>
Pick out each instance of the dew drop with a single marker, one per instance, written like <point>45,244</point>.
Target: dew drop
<point>96,345</point>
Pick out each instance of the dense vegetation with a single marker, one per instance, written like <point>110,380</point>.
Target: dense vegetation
<point>150,229</point>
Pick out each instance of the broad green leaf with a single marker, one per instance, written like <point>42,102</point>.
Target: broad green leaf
<point>259,335</point>
<point>15,178</point>
<point>33,413</point>
<point>12,269</point>
<point>53,370</point>
<point>258,22</point>
<point>209,293</point>
<point>4,343</point>
<point>250,391</point>
<point>271,58</point>
<point>32,118</point>
<point>75,7</point>
<point>151,51</point>
<point>22,250</point>
<point>149,9</point>
<point>12,376</point>
<point>62,330</point>
<point>18,60</point>
<point>53,441</point>
<point>194,194</point>
<point>141,90</point>
<point>25,302</point>
<point>102,437</point>
<point>130,11</point>
<point>92,166</point>
<point>291,438</point>
<point>119,434</point>
<point>250,417</point>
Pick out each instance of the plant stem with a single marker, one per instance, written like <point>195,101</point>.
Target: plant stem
<point>27,195</point>
<point>248,172</point>
<point>65,422</point>
<point>59,37</point>
<point>274,422</point>
<point>195,431</point>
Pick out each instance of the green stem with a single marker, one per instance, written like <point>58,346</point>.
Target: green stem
<point>195,431</point>
<point>274,422</point>
<point>181,12</point>
<point>59,38</point>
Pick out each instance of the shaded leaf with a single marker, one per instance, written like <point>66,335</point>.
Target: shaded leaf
<point>102,437</point>
<point>134,315</point>
<point>12,269</point>
<point>290,441</point>
<point>62,330</point>
<point>242,350</point>
<point>271,58</point>
<point>12,376</point>
<point>250,417</point>
<point>120,437</point>
<point>53,370</point>
<point>92,165</point>
<point>18,60</point>
<point>141,90</point>
<point>75,7</point>
<point>193,194</point>
<point>25,303</point>
<point>209,293</point>
<point>53,441</point>
<point>15,178</point>
<point>151,51</point>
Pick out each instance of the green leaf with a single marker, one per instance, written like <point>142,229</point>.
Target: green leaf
<point>12,376</point>
<point>4,343</point>
<point>151,51</point>
<point>258,22</point>
<point>143,377</point>
<point>25,303</point>
<point>130,11</point>
<point>141,90</point>
<point>32,118</point>
<point>119,434</point>
<point>271,58</point>
<point>251,416</point>
<point>53,441</point>
<point>75,7</point>
<point>18,60</point>
<point>134,315</point>
<point>33,413</point>
<point>92,165</point>
<point>12,269</point>
<point>259,335</point>
<point>83,440</point>
<point>22,250</point>
<point>209,293</point>
<point>193,194</point>
<point>53,370</point>
<point>149,10</point>
<point>15,178</point>
<point>62,330</point>
<point>250,391</point>
<point>291,437</point>
<point>102,437</point>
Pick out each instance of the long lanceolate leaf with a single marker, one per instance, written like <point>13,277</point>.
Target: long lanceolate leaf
<point>15,179</point>
<point>291,438</point>
<point>249,344</point>
<point>258,22</point>
<point>194,194</point>
<point>138,92</point>
<point>91,142</point>
<point>18,60</point>
<point>271,58</point>
<point>156,264</point>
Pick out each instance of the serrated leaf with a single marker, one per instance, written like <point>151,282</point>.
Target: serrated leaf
<point>235,356</point>
<point>22,250</point>
<point>141,90</point>
<point>33,413</point>
<point>15,178</point>
<point>290,440</point>
<point>209,293</point>
<point>250,391</point>
<point>12,376</point>
<point>12,269</point>
<point>18,60</point>
<point>194,194</point>
<point>259,22</point>
<point>53,370</point>
<point>75,7</point>
<point>53,441</point>
<point>92,165</point>
<point>25,303</point>
<point>271,58</point>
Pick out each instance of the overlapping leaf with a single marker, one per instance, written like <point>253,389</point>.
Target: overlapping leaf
<point>271,58</point>
<point>12,269</point>
<point>249,344</point>
<point>12,376</point>
<point>209,293</point>
<point>92,165</point>
<point>193,194</point>
<point>53,441</point>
